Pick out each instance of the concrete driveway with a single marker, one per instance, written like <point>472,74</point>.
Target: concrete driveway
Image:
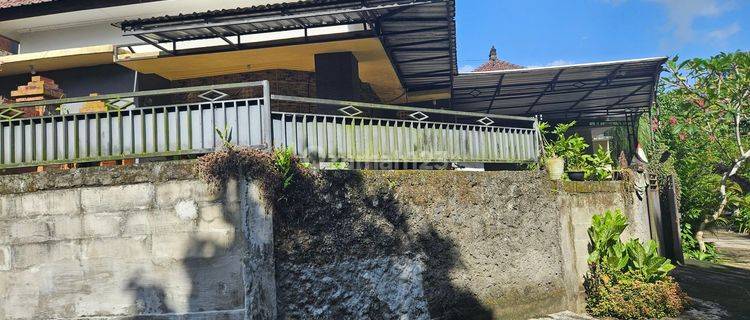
<point>719,291</point>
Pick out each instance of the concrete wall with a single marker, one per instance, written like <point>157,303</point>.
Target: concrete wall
<point>438,244</point>
<point>138,241</point>
<point>152,240</point>
<point>578,202</point>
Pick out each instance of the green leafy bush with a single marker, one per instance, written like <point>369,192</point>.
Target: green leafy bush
<point>690,246</point>
<point>608,251</point>
<point>225,136</point>
<point>285,162</point>
<point>741,220</point>
<point>569,147</point>
<point>572,148</point>
<point>626,296</point>
<point>700,118</point>
<point>600,166</point>
<point>628,280</point>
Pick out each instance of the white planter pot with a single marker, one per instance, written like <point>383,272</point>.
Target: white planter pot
<point>555,168</point>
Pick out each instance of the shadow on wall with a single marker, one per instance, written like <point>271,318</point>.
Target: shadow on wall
<point>346,249</point>
<point>343,249</point>
<point>148,298</point>
<point>211,266</point>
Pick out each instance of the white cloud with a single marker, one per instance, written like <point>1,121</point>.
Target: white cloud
<point>559,62</point>
<point>681,17</point>
<point>555,63</point>
<point>682,13</point>
<point>724,33</point>
<point>466,68</point>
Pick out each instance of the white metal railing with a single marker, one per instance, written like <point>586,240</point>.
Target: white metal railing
<point>341,138</point>
<point>190,128</point>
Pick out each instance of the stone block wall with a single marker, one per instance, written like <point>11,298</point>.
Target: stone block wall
<point>151,241</point>
<point>138,245</point>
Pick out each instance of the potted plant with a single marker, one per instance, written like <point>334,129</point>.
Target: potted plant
<point>578,167</point>
<point>565,149</point>
<point>600,166</point>
<point>555,167</point>
<point>554,164</point>
<point>578,162</point>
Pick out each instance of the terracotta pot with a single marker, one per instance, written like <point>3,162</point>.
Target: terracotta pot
<point>555,168</point>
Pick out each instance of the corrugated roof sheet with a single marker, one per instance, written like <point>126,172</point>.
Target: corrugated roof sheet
<point>4,4</point>
<point>596,91</point>
<point>418,35</point>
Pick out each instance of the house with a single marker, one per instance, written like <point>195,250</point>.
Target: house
<point>82,40</point>
<point>393,61</point>
<point>366,82</point>
<point>495,64</point>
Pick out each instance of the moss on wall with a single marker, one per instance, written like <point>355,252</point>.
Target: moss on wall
<point>487,244</point>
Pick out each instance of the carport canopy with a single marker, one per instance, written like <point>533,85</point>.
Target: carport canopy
<point>594,92</point>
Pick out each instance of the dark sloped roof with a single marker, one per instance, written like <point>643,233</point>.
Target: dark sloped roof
<point>18,3</point>
<point>604,91</point>
<point>20,9</point>
<point>418,35</point>
<point>220,14</point>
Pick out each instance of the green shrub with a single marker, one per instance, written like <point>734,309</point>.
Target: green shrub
<point>225,136</point>
<point>284,160</point>
<point>741,220</point>
<point>690,246</point>
<point>628,280</point>
<point>599,166</point>
<point>572,148</point>
<point>569,147</point>
<point>628,296</point>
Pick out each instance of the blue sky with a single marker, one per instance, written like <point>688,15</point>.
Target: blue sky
<point>555,32</point>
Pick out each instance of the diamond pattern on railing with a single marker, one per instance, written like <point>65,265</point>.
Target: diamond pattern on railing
<point>212,95</point>
<point>7,113</point>
<point>419,116</point>
<point>350,111</point>
<point>118,104</point>
<point>486,121</point>
<point>475,93</point>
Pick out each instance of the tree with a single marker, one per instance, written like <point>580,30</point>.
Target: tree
<point>712,98</point>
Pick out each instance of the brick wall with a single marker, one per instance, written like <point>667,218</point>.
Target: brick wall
<point>283,82</point>
<point>7,46</point>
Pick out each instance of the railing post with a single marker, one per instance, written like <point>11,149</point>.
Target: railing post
<point>539,141</point>
<point>265,114</point>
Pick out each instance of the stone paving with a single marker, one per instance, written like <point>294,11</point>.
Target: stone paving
<point>734,248</point>
<point>566,315</point>
<point>719,290</point>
